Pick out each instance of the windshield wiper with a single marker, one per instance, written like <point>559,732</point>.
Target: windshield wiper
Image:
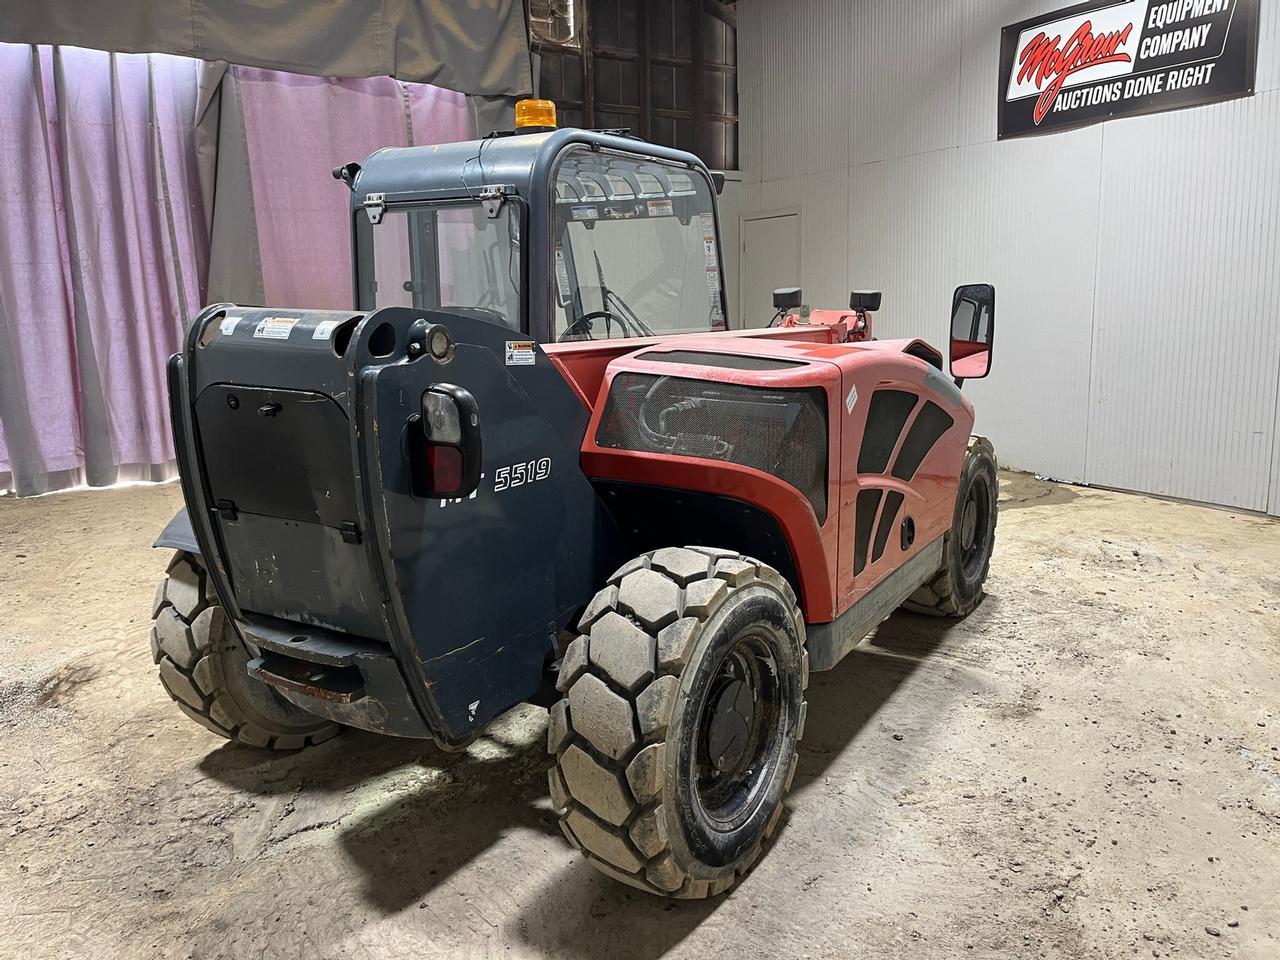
<point>635,326</point>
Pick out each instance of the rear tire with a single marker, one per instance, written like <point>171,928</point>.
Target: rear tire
<point>956,589</point>
<point>676,738</point>
<point>202,664</point>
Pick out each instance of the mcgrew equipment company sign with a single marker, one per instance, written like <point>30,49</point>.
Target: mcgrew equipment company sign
<point>1118,58</point>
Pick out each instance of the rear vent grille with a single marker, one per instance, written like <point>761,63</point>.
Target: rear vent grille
<point>887,417</point>
<point>892,504</point>
<point>731,361</point>
<point>780,432</point>
<point>864,518</point>
<point>931,423</point>
<point>885,420</point>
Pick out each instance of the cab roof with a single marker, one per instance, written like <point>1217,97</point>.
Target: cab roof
<point>523,161</point>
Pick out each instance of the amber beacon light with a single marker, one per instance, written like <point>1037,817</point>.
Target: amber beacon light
<point>535,114</point>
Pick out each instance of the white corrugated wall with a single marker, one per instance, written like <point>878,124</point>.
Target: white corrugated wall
<point>1138,326</point>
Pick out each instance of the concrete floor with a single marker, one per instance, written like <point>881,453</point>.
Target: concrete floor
<point>1089,766</point>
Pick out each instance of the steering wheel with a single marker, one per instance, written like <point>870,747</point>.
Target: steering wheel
<point>584,321</point>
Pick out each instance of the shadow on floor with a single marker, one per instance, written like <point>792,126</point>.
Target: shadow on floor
<point>446,808</point>
<point>347,760</point>
<point>582,915</point>
<point>454,806</point>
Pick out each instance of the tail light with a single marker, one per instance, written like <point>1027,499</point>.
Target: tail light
<point>441,418</point>
<point>444,469</point>
<point>444,443</point>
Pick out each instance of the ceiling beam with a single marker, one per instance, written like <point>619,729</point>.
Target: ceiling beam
<point>722,11</point>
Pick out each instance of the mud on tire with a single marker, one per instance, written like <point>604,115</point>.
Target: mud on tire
<point>202,667</point>
<point>674,636</point>
<point>956,589</point>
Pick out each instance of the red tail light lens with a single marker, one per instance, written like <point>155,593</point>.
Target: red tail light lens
<point>444,467</point>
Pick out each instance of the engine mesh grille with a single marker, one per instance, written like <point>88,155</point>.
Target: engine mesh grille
<point>779,432</point>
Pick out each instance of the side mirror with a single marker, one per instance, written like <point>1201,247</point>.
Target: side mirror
<point>786,298</point>
<point>973,325</point>
<point>865,301</point>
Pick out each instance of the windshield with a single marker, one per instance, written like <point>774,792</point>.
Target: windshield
<point>444,256</point>
<point>635,250</point>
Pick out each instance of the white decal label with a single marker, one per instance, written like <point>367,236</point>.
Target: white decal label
<point>660,208</point>
<point>586,213</point>
<point>324,329</point>
<point>471,496</point>
<point>851,400</point>
<point>228,325</point>
<point>275,328</point>
<point>708,226</point>
<point>520,353</point>
<point>562,276</point>
<point>717,309</point>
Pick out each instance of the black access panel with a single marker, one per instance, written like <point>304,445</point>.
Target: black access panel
<point>1101,60</point>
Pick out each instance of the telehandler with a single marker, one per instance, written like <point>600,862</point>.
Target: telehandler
<point>532,464</point>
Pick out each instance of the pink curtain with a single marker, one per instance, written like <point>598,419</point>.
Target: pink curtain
<point>104,241</point>
<point>298,129</point>
<point>102,259</point>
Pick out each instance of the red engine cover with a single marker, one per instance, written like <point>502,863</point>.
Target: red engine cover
<point>897,429</point>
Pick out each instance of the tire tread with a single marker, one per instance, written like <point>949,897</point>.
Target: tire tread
<point>937,597</point>
<point>183,640</point>
<point>700,579</point>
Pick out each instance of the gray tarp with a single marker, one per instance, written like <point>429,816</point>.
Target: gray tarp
<point>226,185</point>
<point>477,47</point>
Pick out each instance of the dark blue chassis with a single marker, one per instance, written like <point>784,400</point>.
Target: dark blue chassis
<point>396,696</point>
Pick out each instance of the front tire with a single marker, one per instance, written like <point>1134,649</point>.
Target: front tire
<point>203,661</point>
<point>956,589</point>
<point>676,738</point>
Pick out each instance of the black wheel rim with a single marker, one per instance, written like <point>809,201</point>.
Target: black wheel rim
<point>974,527</point>
<point>740,724</point>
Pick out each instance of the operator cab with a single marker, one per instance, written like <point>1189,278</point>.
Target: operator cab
<point>562,235</point>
